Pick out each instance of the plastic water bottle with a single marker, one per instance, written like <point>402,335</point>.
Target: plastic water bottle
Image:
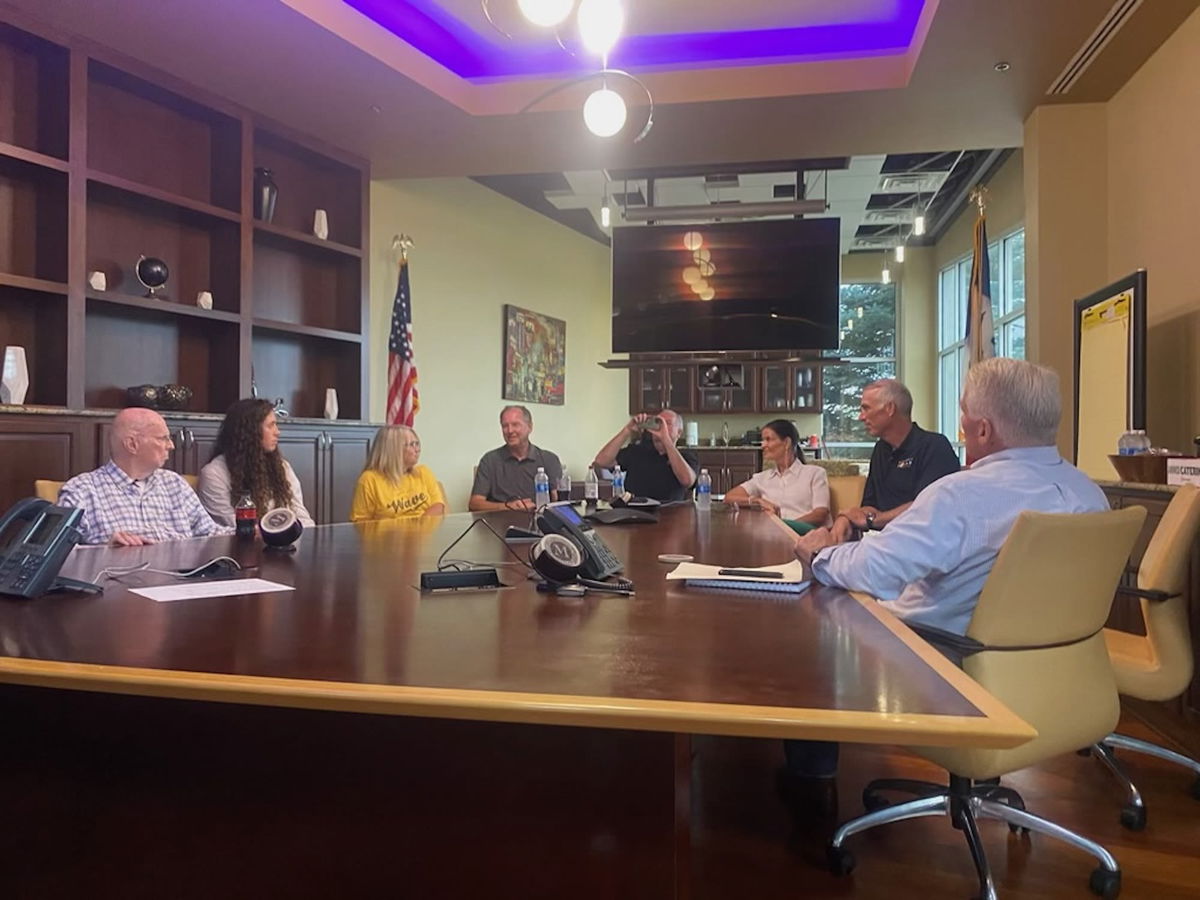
<point>1143,441</point>
<point>564,485</point>
<point>541,489</point>
<point>704,491</point>
<point>1128,444</point>
<point>618,481</point>
<point>245,517</point>
<point>591,486</point>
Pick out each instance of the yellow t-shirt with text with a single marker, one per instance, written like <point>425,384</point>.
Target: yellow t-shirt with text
<point>378,497</point>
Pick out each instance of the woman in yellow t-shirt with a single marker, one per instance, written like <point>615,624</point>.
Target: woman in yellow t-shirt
<point>393,486</point>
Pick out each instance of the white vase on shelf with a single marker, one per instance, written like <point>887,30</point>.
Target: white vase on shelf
<point>331,403</point>
<point>14,383</point>
<point>321,224</point>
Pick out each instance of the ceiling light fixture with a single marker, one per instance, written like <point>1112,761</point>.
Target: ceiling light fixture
<point>546,13</point>
<point>707,211</point>
<point>605,216</point>
<point>599,23</point>
<point>899,253</point>
<point>604,112</point>
<point>919,224</point>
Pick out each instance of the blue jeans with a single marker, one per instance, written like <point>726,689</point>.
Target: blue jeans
<point>811,759</point>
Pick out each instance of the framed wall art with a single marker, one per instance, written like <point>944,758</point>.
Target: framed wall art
<point>535,357</point>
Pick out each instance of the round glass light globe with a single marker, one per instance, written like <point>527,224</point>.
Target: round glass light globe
<point>693,240</point>
<point>707,294</point>
<point>691,274</point>
<point>546,13</point>
<point>600,24</point>
<point>699,285</point>
<point>604,112</point>
<point>706,268</point>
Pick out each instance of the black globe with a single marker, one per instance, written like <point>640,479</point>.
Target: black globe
<point>152,272</point>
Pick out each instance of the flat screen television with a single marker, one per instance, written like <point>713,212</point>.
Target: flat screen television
<point>768,285</point>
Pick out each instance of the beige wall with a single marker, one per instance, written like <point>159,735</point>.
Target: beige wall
<point>476,251</point>
<point>1110,188</point>
<point>1065,235</point>
<point>1153,145</point>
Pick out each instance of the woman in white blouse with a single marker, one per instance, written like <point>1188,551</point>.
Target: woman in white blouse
<point>246,460</point>
<point>791,490</point>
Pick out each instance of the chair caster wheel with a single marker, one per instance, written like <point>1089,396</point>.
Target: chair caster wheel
<point>841,861</point>
<point>1134,817</point>
<point>1085,752</point>
<point>1014,829</point>
<point>1105,884</point>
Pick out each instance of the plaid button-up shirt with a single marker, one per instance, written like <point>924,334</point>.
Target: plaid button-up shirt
<point>162,507</point>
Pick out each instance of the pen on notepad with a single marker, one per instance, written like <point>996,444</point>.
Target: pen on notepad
<point>749,573</point>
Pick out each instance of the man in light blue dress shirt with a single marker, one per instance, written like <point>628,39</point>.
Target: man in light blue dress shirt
<point>131,500</point>
<point>929,565</point>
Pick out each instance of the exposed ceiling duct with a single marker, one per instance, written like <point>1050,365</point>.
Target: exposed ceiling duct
<point>702,212</point>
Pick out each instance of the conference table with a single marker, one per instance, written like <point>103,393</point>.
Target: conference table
<point>353,736</point>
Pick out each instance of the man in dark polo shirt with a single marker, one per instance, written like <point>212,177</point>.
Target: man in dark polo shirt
<point>654,466</point>
<point>906,459</point>
<point>504,477</point>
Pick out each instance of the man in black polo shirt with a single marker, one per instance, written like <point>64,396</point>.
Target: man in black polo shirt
<point>504,476</point>
<point>906,459</point>
<point>654,466</point>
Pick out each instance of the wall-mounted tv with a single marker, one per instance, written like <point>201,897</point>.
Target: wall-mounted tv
<point>768,285</point>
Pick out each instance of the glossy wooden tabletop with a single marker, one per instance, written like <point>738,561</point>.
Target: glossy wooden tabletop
<point>357,634</point>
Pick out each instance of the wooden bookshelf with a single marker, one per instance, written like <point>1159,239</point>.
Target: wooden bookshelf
<point>105,161</point>
<point>34,75</point>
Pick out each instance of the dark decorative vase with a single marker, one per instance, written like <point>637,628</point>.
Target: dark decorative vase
<point>265,194</point>
<point>174,396</point>
<point>142,395</point>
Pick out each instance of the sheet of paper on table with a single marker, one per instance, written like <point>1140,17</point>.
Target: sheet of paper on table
<point>225,587</point>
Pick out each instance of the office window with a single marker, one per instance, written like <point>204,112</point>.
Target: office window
<point>1006,258</point>
<point>867,316</point>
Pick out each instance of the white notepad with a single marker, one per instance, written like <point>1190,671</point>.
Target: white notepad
<point>698,575</point>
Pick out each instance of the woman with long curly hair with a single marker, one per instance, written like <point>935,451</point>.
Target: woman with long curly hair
<point>393,485</point>
<point>246,460</point>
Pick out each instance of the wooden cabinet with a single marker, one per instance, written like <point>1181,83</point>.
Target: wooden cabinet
<point>790,388</point>
<point>327,461</point>
<point>726,389</point>
<point>53,447</point>
<point>102,164</point>
<point>729,466</point>
<point>327,457</point>
<point>1178,719</point>
<point>652,388</point>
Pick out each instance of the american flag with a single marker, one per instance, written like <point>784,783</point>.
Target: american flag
<point>403,402</point>
<point>981,337</point>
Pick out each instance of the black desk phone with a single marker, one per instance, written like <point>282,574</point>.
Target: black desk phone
<point>35,538</point>
<point>598,559</point>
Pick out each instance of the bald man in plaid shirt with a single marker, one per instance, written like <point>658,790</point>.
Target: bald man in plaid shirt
<point>132,500</point>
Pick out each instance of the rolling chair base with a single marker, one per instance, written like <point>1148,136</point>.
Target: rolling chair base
<point>965,803</point>
<point>1133,814</point>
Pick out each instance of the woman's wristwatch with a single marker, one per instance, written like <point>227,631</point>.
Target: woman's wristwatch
<point>870,521</point>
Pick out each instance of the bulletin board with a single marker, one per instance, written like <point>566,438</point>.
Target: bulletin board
<point>1110,371</point>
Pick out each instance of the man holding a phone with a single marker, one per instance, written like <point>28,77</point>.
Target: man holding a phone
<point>654,466</point>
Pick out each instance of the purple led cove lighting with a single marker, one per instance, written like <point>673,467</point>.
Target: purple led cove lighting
<point>468,53</point>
